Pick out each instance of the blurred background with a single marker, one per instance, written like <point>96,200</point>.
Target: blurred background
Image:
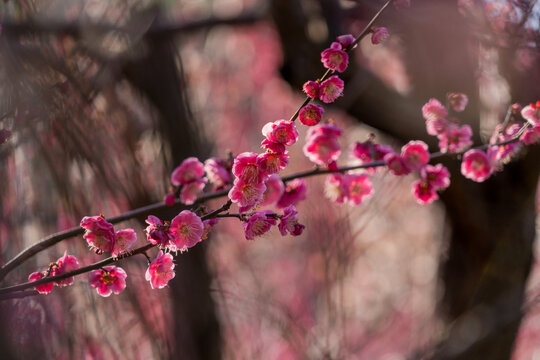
<point>101,99</point>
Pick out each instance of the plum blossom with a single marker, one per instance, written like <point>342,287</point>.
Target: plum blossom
<point>311,114</point>
<point>281,132</point>
<point>311,88</point>
<point>99,233</point>
<point>108,280</point>
<point>270,162</point>
<point>157,232</point>
<point>436,175</point>
<point>271,146</point>
<point>217,172</point>
<point>436,126</point>
<point>458,101</point>
<point>455,138</point>
<point>359,187</point>
<point>334,58</point>
<point>434,110</point>
<point>294,193</point>
<point>415,155</point>
<point>503,153</point>
<point>64,265</point>
<point>378,35</point>
<point>169,199</point>
<point>330,89</point>
<point>274,190</point>
<point>189,170</point>
<point>289,222</point>
<point>335,188</point>
<point>395,164</point>
<point>259,223</point>
<point>531,113</point>
<point>246,195</point>
<point>187,229</point>
<point>345,40</point>
<point>160,271</point>
<point>424,192</point>
<point>124,240</point>
<point>476,165</point>
<point>43,288</point>
<point>531,135</point>
<point>368,151</point>
<point>246,169</point>
<point>322,146</point>
<point>192,190</point>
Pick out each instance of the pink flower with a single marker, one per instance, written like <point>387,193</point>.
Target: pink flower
<point>379,34</point>
<point>458,101</point>
<point>335,188</point>
<point>271,163</point>
<point>281,132</point>
<point>64,265</point>
<point>189,170</point>
<point>246,195</point>
<point>531,113</point>
<point>274,190</point>
<point>246,169</point>
<point>436,126</point>
<point>415,155</point>
<point>158,233</point>
<point>369,151</point>
<point>345,40</point>
<point>311,114</point>
<point>359,187</point>
<point>124,240</point>
<point>424,192</point>
<point>434,110</point>
<point>455,138</point>
<point>294,193</point>
<point>169,199</point>
<point>476,166</point>
<point>160,271</point>
<point>208,225</point>
<point>108,280</point>
<point>44,288</point>
<point>191,191</point>
<point>322,146</point>
<point>531,135</point>
<point>311,88</point>
<point>438,176</point>
<point>259,223</point>
<point>187,229</point>
<point>271,146</point>
<point>335,59</point>
<point>217,173</point>
<point>99,233</point>
<point>330,89</point>
<point>395,164</point>
<point>503,153</point>
<point>289,222</point>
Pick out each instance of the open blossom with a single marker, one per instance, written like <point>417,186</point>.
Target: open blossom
<point>531,113</point>
<point>217,172</point>
<point>189,170</point>
<point>458,101</point>
<point>345,40</point>
<point>246,169</point>
<point>503,153</point>
<point>295,192</point>
<point>334,58</point>
<point>335,188</point>
<point>434,110</point>
<point>476,166</point>
<point>415,155</point>
<point>270,162</point>
<point>379,35</point>
<point>124,240</point>
<point>368,151</point>
<point>274,189</point>
<point>259,223</point>
<point>311,88</point>
<point>64,265</point>
<point>436,126</point>
<point>395,164</point>
<point>281,132</point>
<point>455,138</point>
<point>108,280</point>
<point>99,233</point>
<point>246,195</point>
<point>311,114</point>
<point>169,199</point>
<point>289,222</point>
<point>157,232</point>
<point>322,146</point>
<point>359,188</point>
<point>531,135</point>
<point>424,192</point>
<point>187,229</point>
<point>436,175</point>
<point>330,89</point>
<point>160,271</point>
<point>271,146</point>
<point>191,191</point>
<point>44,288</point>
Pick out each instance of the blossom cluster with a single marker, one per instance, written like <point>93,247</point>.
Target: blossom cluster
<point>101,237</point>
<point>61,266</point>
